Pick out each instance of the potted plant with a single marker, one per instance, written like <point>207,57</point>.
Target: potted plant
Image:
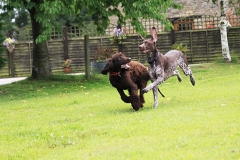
<point>67,65</point>
<point>10,44</point>
<point>118,36</point>
<point>102,55</point>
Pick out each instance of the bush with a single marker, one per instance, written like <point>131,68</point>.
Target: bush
<point>180,47</point>
<point>103,54</point>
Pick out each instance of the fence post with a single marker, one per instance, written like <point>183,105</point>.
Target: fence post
<point>11,68</point>
<point>172,34</point>
<point>86,50</point>
<point>207,45</point>
<point>191,46</point>
<point>65,43</point>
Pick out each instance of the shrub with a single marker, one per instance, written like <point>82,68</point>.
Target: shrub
<point>180,47</point>
<point>103,54</point>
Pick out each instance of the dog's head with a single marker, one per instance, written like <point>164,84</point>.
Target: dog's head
<point>117,62</point>
<point>149,45</point>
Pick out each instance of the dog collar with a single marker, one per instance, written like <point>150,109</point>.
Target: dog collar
<point>115,74</point>
<point>154,59</point>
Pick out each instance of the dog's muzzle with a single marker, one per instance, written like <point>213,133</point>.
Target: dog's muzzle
<point>142,49</point>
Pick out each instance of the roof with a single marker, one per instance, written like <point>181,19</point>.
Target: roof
<point>194,7</point>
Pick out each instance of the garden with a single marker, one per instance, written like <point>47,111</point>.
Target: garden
<point>69,117</point>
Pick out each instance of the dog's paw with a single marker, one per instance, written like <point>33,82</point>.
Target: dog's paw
<point>179,79</point>
<point>145,90</point>
<point>193,81</point>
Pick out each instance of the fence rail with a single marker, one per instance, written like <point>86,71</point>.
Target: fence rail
<point>203,45</point>
<point>203,41</point>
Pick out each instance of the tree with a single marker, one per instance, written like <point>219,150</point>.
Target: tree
<point>223,31</point>
<point>43,15</point>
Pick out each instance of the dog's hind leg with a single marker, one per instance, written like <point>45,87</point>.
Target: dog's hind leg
<point>191,77</point>
<point>186,70</point>
<point>124,97</point>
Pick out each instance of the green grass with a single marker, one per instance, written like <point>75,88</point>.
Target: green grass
<point>68,117</point>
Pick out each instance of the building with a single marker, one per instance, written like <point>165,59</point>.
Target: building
<point>196,14</point>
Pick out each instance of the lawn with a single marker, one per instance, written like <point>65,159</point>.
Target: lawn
<point>67,117</point>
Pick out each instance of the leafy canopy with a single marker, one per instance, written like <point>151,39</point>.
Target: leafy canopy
<point>47,11</point>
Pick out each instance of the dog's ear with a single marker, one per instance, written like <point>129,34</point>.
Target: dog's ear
<point>107,67</point>
<point>154,34</point>
<point>141,37</point>
<point>104,71</point>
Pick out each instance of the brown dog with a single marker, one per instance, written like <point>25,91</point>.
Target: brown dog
<point>125,74</point>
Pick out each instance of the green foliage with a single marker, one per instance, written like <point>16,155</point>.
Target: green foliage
<point>44,14</point>
<point>48,11</point>
<point>22,18</point>
<point>67,117</point>
<point>6,19</point>
<point>66,20</point>
<point>180,47</point>
<point>150,9</point>
<point>2,49</point>
<point>214,1</point>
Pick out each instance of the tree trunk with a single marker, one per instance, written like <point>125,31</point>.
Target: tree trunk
<point>40,64</point>
<point>223,31</point>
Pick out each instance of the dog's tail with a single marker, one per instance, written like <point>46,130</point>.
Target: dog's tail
<point>161,93</point>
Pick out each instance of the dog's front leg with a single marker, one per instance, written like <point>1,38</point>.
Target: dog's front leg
<point>124,97</point>
<point>155,96</point>
<point>159,72</point>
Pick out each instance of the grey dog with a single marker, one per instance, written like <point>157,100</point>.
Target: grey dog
<point>161,67</point>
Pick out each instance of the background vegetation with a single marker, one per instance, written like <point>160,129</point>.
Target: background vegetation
<point>67,117</point>
<point>2,49</point>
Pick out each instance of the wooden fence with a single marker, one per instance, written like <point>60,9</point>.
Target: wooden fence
<point>203,45</point>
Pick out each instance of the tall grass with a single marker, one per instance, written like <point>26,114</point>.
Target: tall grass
<point>68,117</point>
